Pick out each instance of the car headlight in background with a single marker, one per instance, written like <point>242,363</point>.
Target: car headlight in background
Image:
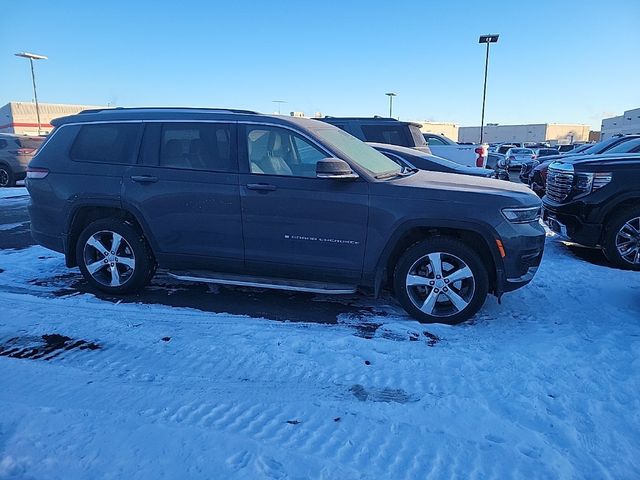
<point>587,183</point>
<point>521,215</point>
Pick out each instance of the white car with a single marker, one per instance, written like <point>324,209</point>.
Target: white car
<point>472,155</point>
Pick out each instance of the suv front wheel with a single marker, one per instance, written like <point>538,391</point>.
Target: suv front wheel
<point>114,257</point>
<point>441,280</point>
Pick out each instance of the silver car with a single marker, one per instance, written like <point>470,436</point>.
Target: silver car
<point>517,156</point>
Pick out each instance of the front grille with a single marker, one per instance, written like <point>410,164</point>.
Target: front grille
<point>559,183</point>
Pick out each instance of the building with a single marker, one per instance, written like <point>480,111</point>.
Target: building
<point>624,124</point>
<point>21,118</point>
<point>449,130</point>
<point>554,133</point>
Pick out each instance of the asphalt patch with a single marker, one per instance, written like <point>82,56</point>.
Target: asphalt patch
<point>45,347</point>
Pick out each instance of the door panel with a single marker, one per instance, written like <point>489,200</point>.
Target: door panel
<point>295,224</point>
<point>193,213</point>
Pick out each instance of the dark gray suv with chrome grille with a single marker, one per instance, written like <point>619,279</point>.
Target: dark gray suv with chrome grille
<point>239,198</point>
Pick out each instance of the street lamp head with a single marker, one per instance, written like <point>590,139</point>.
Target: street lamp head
<point>491,38</point>
<point>391,94</point>
<point>31,56</point>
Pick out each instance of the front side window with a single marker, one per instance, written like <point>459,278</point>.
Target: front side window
<point>278,151</point>
<point>106,143</point>
<point>197,146</point>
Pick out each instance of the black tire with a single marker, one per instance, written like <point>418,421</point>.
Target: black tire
<point>7,178</point>
<point>612,235</point>
<point>133,246</point>
<point>453,255</point>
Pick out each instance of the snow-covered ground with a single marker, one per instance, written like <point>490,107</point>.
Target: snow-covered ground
<point>543,386</point>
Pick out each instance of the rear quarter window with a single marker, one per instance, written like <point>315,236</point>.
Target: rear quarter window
<point>106,143</point>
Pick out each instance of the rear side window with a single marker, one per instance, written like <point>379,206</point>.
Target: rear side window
<point>392,134</point>
<point>197,146</point>
<point>106,143</point>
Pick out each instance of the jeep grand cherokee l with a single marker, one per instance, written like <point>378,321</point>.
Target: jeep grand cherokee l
<point>235,197</point>
<point>595,201</point>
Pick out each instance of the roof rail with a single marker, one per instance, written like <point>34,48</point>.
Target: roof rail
<point>229,110</point>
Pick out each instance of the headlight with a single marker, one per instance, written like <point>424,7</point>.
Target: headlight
<point>521,215</point>
<point>587,183</point>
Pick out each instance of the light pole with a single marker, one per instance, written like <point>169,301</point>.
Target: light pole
<point>488,39</point>
<point>279,102</point>
<point>391,95</point>
<point>32,57</point>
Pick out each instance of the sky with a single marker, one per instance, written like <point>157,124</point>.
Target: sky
<point>556,61</point>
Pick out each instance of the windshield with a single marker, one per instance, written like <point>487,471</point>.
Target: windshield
<point>359,152</point>
<point>602,147</point>
<point>625,147</point>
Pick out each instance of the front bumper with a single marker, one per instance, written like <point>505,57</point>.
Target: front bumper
<point>524,248</point>
<point>570,226</point>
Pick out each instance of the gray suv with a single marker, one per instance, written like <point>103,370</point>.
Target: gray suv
<point>239,198</point>
<point>16,151</point>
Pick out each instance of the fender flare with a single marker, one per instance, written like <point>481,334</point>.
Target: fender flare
<point>488,234</point>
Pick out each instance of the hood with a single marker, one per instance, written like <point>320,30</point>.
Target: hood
<point>453,187</point>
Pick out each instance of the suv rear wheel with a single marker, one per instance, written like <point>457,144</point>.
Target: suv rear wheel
<point>441,280</point>
<point>7,179</point>
<point>621,240</point>
<point>114,257</point>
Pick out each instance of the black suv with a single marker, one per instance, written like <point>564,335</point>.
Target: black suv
<point>595,201</point>
<point>382,130</point>
<point>235,197</point>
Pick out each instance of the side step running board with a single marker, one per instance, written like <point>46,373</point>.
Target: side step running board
<point>272,283</point>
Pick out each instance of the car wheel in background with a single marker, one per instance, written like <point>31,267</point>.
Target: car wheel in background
<point>7,178</point>
<point>621,242</point>
<point>441,280</point>
<point>114,257</point>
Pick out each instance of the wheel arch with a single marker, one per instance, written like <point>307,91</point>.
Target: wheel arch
<point>86,212</point>
<point>622,203</point>
<point>480,238</point>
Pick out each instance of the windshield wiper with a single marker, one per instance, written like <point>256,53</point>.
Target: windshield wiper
<point>389,174</point>
<point>404,172</point>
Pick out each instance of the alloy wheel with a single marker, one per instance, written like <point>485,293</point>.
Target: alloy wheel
<point>109,258</point>
<point>440,284</point>
<point>628,241</point>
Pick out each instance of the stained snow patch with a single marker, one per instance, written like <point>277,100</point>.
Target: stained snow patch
<point>386,395</point>
<point>43,347</point>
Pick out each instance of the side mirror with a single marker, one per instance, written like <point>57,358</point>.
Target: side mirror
<point>334,168</point>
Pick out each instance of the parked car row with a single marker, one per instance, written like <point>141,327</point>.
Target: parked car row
<point>534,173</point>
